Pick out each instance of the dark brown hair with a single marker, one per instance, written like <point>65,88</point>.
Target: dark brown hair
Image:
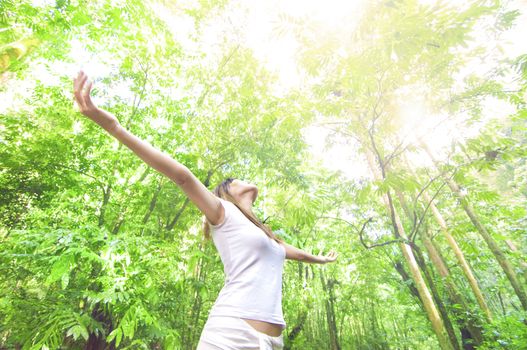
<point>223,191</point>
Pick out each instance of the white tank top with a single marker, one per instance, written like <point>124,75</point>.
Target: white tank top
<point>253,265</point>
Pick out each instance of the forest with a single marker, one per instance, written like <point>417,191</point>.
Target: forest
<point>391,131</point>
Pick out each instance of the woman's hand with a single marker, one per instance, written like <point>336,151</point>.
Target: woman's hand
<point>330,257</point>
<point>81,89</point>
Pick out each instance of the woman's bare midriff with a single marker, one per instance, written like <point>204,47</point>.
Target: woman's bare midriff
<point>272,329</point>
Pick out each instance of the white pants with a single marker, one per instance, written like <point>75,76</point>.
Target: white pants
<point>233,333</point>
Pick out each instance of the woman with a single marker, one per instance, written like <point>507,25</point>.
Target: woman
<point>248,311</point>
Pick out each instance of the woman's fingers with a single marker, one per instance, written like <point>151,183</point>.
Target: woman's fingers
<point>82,89</point>
<point>76,81</point>
<point>332,255</point>
<point>78,87</point>
<point>86,95</point>
<point>81,79</point>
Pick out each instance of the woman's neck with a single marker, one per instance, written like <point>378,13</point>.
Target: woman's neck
<point>246,204</point>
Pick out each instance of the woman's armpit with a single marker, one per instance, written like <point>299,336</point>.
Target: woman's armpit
<point>226,215</point>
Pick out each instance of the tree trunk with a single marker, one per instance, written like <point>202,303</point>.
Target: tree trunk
<point>474,285</point>
<point>291,336</point>
<point>98,341</point>
<point>424,293</point>
<point>180,211</point>
<point>466,322</point>
<point>200,275</point>
<point>428,303</point>
<point>491,243</point>
<point>470,332</point>
<point>441,306</point>
<point>330,311</point>
<point>512,246</point>
<point>105,199</point>
<point>399,267</point>
<point>153,203</point>
<point>467,270</point>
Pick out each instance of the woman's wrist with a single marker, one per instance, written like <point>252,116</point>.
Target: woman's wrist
<point>105,120</point>
<point>316,259</point>
<point>112,126</point>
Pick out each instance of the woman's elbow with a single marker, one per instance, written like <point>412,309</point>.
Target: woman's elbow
<point>180,174</point>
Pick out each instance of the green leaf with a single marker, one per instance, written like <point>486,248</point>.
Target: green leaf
<point>116,334</point>
<point>60,268</point>
<point>78,330</point>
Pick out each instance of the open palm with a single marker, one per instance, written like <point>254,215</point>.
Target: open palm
<point>330,257</point>
<point>81,90</point>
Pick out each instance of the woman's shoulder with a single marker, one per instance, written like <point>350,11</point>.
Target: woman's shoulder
<point>226,204</point>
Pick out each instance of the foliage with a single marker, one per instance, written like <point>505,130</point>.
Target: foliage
<point>100,251</point>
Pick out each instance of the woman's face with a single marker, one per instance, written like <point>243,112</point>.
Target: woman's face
<point>242,190</point>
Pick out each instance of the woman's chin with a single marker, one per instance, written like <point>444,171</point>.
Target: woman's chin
<point>255,194</point>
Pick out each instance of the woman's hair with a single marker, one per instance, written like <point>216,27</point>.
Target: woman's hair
<point>223,191</point>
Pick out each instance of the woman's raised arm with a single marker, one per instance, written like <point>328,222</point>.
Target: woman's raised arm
<point>207,203</point>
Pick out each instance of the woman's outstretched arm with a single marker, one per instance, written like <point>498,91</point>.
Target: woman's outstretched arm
<point>294,253</point>
<point>207,203</point>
